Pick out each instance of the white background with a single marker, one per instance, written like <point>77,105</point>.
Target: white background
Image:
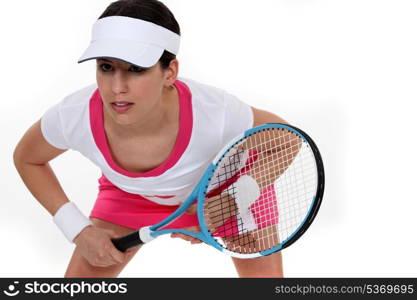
<point>344,71</point>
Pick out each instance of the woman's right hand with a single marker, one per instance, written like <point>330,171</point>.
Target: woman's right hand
<point>96,247</point>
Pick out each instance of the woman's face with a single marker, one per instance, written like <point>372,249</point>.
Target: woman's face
<point>130,93</point>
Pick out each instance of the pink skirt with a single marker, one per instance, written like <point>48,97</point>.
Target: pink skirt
<point>131,210</point>
<point>134,211</point>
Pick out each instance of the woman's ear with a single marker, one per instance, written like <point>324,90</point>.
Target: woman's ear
<point>171,73</point>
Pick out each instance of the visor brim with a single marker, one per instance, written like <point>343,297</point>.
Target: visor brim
<point>136,53</point>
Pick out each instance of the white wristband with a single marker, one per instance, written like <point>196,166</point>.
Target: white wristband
<point>70,220</point>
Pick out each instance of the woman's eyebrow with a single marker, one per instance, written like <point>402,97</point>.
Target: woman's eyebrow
<point>123,64</point>
<point>103,59</point>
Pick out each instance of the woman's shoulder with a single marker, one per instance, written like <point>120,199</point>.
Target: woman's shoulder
<point>203,91</point>
<point>73,109</point>
<point>213,96</point>
<point>80,96</point>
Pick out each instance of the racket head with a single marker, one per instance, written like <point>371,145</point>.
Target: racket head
<point>273,215</point>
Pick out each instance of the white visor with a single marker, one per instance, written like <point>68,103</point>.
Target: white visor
<point>135,41</point>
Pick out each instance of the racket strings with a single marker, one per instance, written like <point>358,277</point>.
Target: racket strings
<point>279,159</point>
<point>220,205</point>
<point>267,176</point>
<point>232,167</point>
<point>262,178</point>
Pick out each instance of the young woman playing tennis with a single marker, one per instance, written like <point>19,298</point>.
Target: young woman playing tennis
<point>151,133</point>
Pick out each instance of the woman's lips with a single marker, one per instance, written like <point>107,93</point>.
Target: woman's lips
<point>121,107</point>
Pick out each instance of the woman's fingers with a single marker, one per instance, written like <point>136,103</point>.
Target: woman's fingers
<point>96,247</point>
<point>188,238</point>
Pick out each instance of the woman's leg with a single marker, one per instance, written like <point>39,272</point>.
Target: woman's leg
<point>267,266</point>
<point>79,266</point>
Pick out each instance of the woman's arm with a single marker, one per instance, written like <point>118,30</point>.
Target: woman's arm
<point>284,147</point>
<point>262,116</point>
<point>31,158</point>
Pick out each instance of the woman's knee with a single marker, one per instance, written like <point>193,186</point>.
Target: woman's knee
<point>80,267</point>
<point>267,266</point>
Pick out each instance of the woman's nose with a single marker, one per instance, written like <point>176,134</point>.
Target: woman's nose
<point>119,83</point>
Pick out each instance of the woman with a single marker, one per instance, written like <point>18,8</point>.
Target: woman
<point>150,133</point>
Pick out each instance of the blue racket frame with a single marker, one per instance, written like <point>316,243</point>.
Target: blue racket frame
<point>199,194</point>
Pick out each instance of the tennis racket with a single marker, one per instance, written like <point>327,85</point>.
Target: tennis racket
<point>258,195</point>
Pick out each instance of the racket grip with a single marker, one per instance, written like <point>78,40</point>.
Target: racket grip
<point>127,241</point>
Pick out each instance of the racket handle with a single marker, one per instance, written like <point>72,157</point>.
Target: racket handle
<point>127,241</point>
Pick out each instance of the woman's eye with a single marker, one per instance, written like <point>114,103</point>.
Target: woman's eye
<point>136,69</point>
<point>105,67</point>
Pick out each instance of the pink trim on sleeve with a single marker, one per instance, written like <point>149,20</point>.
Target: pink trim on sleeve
<point>181,143</point>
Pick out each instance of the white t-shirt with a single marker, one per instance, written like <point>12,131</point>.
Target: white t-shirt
<point>209,118</point>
